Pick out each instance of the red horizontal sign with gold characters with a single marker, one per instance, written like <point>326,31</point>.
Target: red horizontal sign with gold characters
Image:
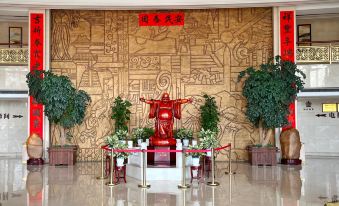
<point>162,19</point>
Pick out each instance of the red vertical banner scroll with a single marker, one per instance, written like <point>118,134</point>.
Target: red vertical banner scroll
<point>36,62</point>
<point>287,51</point>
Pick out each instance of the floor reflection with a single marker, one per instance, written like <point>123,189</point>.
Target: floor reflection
<point>313,184</point>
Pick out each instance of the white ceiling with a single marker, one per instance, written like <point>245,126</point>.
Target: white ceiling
<point>13,14</point>
<point>155,4</point>
<point>17,10</point>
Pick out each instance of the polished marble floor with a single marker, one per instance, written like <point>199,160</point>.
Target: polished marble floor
<point>316,183</point>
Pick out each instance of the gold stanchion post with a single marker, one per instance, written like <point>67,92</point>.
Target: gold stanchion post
<point>144,196</point>
<point>144,166</point>
<point>230,162</point>
<point>111,182</point>
<point>183,184</point>
<point>102,166</point>
<point>230,189</point>
<point>213,182</point>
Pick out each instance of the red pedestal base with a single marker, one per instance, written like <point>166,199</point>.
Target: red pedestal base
<point>35,161</point>
<point>291,161</point>
<point>199,173</point>
<point>161,159</point>
<point>162,142</point>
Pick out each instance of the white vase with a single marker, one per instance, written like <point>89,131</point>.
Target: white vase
<point>130,144</point>
<point>186,142</point>
<point>123,141</point>
<point>147,142</point>
<point>178,140</point>
<point>139,142</point>
<point>143,145</point>
<point>195,161</point>
<point>120,162</point>
<point>209,154</point>
<point>194,142</point>
<point>179,146</point>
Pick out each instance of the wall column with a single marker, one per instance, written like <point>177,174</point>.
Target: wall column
<point>36,62</point>
<point>287,29</point>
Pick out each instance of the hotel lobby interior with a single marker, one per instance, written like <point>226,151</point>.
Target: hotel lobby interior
<point>165,103</point>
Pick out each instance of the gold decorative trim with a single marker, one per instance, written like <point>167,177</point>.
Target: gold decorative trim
<point>335,53</point>
<point>308,54</point>
<point>14,56</point>
<point>317,54</point>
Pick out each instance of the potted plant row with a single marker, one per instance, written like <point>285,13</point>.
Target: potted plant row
<point>269,91</point>
<point>142,134</point>
<point>184,135</point>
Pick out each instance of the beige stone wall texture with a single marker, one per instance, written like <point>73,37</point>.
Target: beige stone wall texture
<point>107,54</point>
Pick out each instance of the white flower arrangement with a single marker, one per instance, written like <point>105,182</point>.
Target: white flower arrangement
<point>209,139</point>
<point>114,143</point>
<point>184,133</point>
<point>196,154</point>
<point>122,134</point>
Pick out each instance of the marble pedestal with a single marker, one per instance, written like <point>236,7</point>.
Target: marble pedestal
<point>134,169</point>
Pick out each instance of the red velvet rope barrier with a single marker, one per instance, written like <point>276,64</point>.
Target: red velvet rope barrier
<point>105,147</point>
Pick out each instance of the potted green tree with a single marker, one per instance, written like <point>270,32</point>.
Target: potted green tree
<point>196,155</point>
<point>65,106</point>
<point>185,135</point>
<point>269,92</point>
<point>121,113</point>
<point>209,115</point>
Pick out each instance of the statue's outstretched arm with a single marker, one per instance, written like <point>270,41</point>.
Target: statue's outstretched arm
<point>147,101</point>
<point>184,101</point>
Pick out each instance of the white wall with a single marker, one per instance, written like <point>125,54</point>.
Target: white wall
<point>320,134</point>
<point>322,29</point>
<point>13,78</point>
<point>4,28</point>
<point>320,75</point>
<point>13,131</point>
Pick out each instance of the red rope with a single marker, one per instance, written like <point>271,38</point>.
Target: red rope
<point>224,147</point>
<point>106,147</point>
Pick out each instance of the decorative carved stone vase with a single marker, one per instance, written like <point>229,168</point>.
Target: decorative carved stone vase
<point>34,150</point>
<point>290,147</point>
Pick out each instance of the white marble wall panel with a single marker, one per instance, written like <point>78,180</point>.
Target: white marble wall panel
<point>320,75</point>
<point>13,126</point>
<point>13,78</point>
<point>320,134</point>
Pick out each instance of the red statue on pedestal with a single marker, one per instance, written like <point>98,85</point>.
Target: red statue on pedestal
<point>164,111</point>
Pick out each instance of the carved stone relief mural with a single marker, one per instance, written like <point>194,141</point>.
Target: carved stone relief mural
<point>107,54</point>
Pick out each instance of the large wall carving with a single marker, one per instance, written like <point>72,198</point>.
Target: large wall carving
<point>107,54</point>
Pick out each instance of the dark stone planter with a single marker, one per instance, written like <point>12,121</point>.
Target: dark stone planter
<point>263,155</point>
<point>65,155</point>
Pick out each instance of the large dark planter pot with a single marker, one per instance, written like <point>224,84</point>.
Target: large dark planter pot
<point>290,147</point>
<point>262,155</point>
<point>65,155</point>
